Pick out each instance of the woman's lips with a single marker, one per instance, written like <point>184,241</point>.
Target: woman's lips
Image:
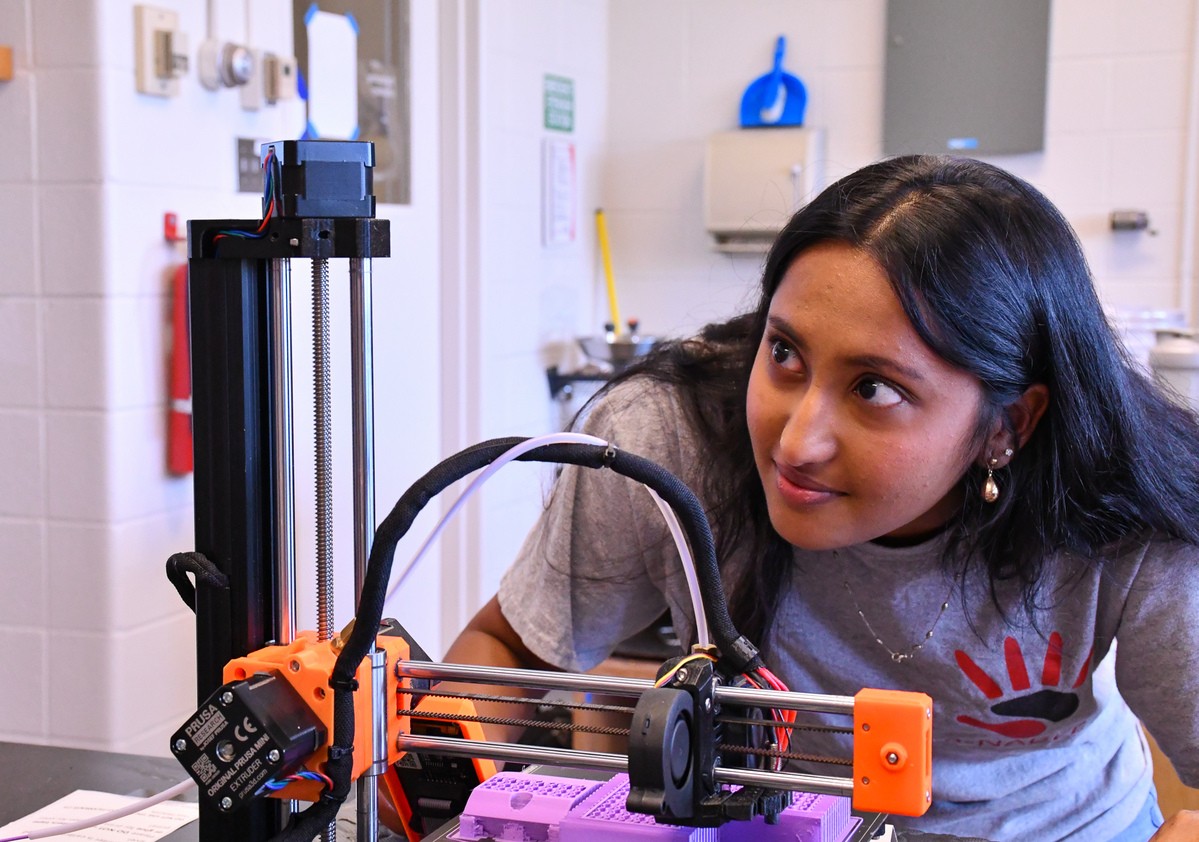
<point>798,489</point>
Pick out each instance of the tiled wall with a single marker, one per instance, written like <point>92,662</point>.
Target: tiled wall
<point>1116,119</point>
<point>100,649</point>
<point>534,300</point>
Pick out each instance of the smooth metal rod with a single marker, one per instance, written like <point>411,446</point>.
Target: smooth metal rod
<point>749,697</point>
<point>379,686</point>
<point>511,751</point>
<point>283,458</point>
<point>458,747</point>
<point>525,678</point>
<point>785,780</point>
<point>363,425</point>
<point>363,401</point>
<point>743,696</point>
<point>368,790</point>
<point>367,808</point>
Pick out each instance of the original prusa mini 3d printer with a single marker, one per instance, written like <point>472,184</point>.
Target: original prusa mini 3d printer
<point>286,718</point>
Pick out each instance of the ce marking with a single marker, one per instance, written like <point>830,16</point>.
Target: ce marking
<point>249,729</point>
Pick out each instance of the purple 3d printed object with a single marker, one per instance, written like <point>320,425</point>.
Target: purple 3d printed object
<point>810,818</point>
<point>519,807</point>
<point>603,816</point>
<point>515,807</point>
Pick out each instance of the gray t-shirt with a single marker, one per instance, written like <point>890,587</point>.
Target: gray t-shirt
<point>1031,737</point>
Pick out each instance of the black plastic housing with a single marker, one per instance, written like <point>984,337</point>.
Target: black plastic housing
<point>317,237</point>
<point>435,786</point>
<point>672,748</point>
<point>247,733</point>
<point>673,755</point>
<point>330,178</point>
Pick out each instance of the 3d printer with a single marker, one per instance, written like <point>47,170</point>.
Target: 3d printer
<point>287,717</point>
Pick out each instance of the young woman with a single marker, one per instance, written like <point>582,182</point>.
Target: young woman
<point>929,465</point>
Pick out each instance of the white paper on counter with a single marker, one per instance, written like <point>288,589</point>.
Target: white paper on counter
<point>150,824</point>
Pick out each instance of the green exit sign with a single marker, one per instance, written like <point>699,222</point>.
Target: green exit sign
<point>559,103</point>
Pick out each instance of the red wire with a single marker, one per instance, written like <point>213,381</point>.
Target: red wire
<point>782,736</point>
<point>787,716</point>
<point>771,679</point>
<point>270,210</point>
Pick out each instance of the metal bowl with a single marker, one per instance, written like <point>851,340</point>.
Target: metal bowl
<point>619,352</point>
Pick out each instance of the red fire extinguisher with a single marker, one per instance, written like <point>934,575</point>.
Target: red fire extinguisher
<point>179,414</point>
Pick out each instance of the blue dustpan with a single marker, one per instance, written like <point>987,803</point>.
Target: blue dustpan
<point>776,99</point>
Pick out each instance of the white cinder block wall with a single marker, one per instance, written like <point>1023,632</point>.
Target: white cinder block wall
<point>1120,82</point>
<point>533,301</point>
<point>102,650</point>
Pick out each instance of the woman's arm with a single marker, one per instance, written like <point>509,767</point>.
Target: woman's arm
<point>1157,652</point>
<point>487,640</point>
<point>1180,827</point>
<point>490,640</point>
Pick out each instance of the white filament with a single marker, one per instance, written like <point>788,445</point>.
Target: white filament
<point>676,530</point>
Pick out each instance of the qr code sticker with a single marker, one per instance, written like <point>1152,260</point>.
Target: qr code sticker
<point>204,768</point>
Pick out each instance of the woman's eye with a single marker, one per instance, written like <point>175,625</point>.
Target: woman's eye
<point>878,393</point>
<point>783,355</point>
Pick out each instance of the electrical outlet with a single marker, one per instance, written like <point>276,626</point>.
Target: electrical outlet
<point>160,50</point>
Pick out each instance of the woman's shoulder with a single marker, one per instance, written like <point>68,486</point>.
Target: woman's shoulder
<point>630,404</point>
<point>648,417</point>
<point>1166,558</point>
<point>1146,563</point>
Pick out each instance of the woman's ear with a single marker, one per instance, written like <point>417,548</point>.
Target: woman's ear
<point>1021,417</point>
<point>1026,412</point>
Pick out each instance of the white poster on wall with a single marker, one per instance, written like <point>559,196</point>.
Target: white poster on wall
<point>559,194</point>
<point>332,75</point>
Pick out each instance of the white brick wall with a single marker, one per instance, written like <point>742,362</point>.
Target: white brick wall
<point>533,301</point>
<point>102,651</point>
<point>1119,79</point>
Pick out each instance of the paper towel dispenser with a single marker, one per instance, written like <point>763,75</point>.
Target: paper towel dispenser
<point>755,179</point>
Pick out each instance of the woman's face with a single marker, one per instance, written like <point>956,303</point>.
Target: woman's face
<point>859,430</point>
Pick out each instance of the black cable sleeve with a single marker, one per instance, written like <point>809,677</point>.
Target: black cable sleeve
<point>672,490</point>
<point>742,655</point>
<point>339,768</point>
<point>738,655</point>
<point>207,575</point>
<point>366,624</point>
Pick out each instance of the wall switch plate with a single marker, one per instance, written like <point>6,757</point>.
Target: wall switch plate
<point>160,50</point>
<point>279,75</point>
<point>170,53</point>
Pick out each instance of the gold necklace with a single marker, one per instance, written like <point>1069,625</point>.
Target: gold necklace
<point>910,652</point>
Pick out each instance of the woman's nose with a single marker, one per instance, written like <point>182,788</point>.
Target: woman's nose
<point>809,432</point>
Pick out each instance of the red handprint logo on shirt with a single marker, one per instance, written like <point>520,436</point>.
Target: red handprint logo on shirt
<point>1025,713</point>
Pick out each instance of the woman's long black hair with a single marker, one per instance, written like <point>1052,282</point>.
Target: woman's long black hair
<point>994,281</point>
